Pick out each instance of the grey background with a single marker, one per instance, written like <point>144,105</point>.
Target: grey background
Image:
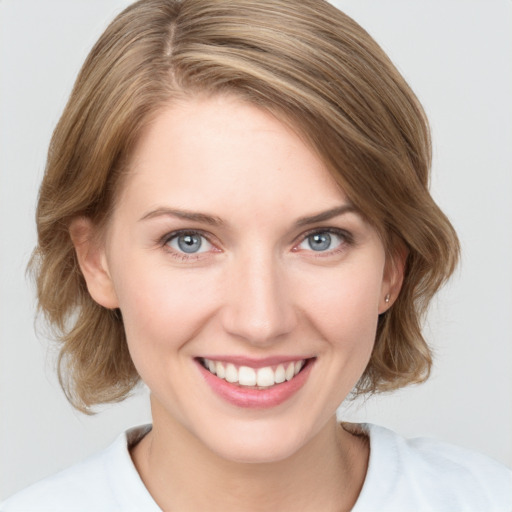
<point>457,56</point>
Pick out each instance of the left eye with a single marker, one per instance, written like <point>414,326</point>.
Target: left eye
<point>189,243</point>
<point>321,241</point>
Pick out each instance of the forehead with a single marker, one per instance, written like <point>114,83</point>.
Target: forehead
<point>212,152</point>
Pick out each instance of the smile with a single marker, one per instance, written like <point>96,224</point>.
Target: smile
<point>255,384</point>
<point>259,378</point>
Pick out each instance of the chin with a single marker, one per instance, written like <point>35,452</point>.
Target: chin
<point>258,442</point>
<point>257,453</point>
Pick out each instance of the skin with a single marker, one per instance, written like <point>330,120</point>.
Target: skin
<point>256,289</point>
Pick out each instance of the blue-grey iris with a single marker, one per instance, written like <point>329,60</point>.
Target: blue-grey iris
<point>189,243</point>
<point>319,241</point>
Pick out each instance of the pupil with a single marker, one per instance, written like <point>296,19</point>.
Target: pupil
<point>320,242</point>
<point>189,243</point>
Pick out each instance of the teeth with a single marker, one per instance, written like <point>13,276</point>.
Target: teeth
<point>231,373</point>
<point>212,366</point>
<point>246,376</point>
<point>265,377</point>
<point>280,375</point>
<point>220,370</point>
<point>290,371</point>
<point>250,377</point>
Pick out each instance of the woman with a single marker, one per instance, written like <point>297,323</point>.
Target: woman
<point>235,210</point>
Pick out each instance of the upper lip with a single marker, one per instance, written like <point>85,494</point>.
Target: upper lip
<point>255,362</point>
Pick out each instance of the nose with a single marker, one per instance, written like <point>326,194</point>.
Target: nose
<point>258,306</point>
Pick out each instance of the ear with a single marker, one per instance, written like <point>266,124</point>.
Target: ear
<point>393,277</point>
<point>91,257</point>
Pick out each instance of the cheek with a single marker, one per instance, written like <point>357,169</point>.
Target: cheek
<point>162,308</point>
<point>344,306</point>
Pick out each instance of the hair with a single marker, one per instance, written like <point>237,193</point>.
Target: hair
<point>305,62</point>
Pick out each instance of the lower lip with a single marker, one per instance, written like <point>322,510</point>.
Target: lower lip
<point>256,398</point>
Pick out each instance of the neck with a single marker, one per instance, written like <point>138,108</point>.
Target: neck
<point>182,474</point>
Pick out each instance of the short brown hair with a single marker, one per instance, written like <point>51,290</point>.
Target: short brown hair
<point>305,62</point>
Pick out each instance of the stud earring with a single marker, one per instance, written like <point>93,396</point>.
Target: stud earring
<point>386,298</point>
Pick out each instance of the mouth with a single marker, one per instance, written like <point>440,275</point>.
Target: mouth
<point>255,378</point>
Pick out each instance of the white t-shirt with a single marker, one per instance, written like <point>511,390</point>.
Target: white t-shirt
<point>416,475</point>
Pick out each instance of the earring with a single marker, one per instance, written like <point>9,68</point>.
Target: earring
<point>386,298</point>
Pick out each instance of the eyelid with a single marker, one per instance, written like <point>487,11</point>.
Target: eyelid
<point>180,232</point>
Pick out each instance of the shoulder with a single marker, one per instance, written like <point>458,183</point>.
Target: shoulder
<point>82,485</point>
<point>427,475</point>
<point>107,481</point>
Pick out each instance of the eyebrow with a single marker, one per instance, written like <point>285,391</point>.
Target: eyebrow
<point>184,214</point>
<point>217,221</point>
<point>327,215</point>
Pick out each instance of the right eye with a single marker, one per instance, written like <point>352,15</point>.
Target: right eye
<point>190,242</point>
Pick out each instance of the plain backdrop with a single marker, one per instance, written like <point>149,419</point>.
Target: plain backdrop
<point>457,56</point>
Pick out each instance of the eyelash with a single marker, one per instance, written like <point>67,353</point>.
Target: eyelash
<point>347,240</point>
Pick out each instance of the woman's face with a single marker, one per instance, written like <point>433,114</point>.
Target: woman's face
<point>249,285</point>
